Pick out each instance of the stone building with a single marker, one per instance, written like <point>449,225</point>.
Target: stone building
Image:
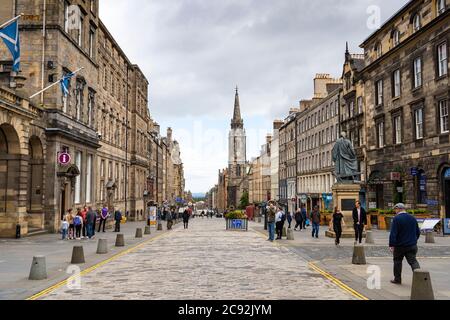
<point>259,176</point>
<point>222,190</point>
<point>288,162</point>
<point>406,87</point>
<point>274,161</point>
<point>237,158</point>
<point>317,131</point>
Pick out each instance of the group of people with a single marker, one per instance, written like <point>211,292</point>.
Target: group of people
<point>170,215</point>
<point>82,224</point>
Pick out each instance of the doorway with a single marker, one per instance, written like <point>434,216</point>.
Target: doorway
<point>446,191</point>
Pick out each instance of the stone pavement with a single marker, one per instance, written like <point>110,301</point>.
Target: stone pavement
<point>337,262</point>
<point>205,262</point>
<point>16,257</point>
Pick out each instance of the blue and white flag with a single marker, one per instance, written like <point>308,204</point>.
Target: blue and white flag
<point>65,83</point>
<point>10,36</point>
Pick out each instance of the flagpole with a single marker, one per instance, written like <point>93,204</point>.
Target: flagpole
<point>11,21</point>
<point>53,84</point>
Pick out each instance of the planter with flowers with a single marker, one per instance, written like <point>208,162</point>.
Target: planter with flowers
<point>236,221</point>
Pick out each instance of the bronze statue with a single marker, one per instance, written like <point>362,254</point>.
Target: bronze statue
<point>344,157</point>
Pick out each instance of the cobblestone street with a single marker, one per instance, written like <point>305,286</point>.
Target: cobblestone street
<point>205,262</point>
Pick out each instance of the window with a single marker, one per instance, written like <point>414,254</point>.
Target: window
<point>440,7</point>
<point>361,136</point>
<point>102,168</point>
<point>110,170</point>
<point>89,179</point>
<point>90,110</point>
<point>380,134</point>
<point>416,23</point>
<point>80,32</point>
<point>443,116</point>
<point>77,199</point>
<point>396,89</point>
<point>379,92</point>
<point>418,119</point>
<point>66,16</point>
<point>351,109</point>
<point>397,129</point>
<point>442,59</point>
<point>91,42</point>
<point>379,50</point>
<point>93,6</point>
<point>417,72</point>
<point>396,38</point>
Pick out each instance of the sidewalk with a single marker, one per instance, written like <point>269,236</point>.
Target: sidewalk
<point>16,257</point>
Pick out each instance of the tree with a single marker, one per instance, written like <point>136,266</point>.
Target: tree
<point>244,201</point>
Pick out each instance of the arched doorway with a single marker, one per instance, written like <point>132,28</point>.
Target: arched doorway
<point>446,190</point>
<point>35,175</point>
<point>9,169</point>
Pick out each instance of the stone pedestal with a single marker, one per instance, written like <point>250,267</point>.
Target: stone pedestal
<point>344,198</point>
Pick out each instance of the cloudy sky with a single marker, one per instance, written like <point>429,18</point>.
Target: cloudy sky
<point>194,53</point>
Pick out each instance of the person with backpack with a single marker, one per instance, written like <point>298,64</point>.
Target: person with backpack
<point>304,218</point>
<point>186,218</point>
<point>78,223</point>
<point>298,220</point>
<point>64,229</point>
<point>91,216</point>
<point>69,218</point>
<point>103,217</point>
<point>280,217</point>
<point>315,220</point>
<point>118,220</point>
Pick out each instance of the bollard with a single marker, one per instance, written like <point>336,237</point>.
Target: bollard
<point>102,247</point>
<point>421,288</point>
<point>369,238</point>
<point>259,219</point>
<point>147,230</point>
<point>359,256</point>
<point>429,238</point>
<point>284,233</point>
<point>138,233</point>
<point>77,255</point>
<point>38,269</point>
<point>290,234</point>
<point>159,227</point>
<point>120,241</point>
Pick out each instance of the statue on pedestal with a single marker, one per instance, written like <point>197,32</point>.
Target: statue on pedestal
<point>344,157</point>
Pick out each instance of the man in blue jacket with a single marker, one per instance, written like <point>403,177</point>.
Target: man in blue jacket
<point>403,241</point>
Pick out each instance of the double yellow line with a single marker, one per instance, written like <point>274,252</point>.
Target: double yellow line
<point>336,281</point>
<point>94,267</point>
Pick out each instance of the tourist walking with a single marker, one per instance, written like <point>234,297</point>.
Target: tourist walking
<point>103,217</point>
<point>271,213</point>
<point>186,219</point>
<point>91,216</point>
<point>118,220</point>
<point>69,219</point>
<point>315,220</point>
<point>279,223</point>
<point>405,233</point>
<point>289,219</point>
<point>169,219</point>
<point>83,215</point>
<point>304,218</point>
<point>64,229</point>
<point>360,220</point>
<point>78,223</point>
<point>298,219</point>
<point>337,225</point>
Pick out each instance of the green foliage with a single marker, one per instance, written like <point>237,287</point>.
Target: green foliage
<point>244,201</point>
<point>412,211</point>
<point>236,215</point>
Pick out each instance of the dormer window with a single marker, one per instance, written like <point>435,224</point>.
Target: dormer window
<point>416,23</point>
<point>440,7</point>
<point>378,50</point>
<point>396,38</point>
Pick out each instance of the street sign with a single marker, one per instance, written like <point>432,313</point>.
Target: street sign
<point>237,224</point>
<point>414,171</point>
<point>429,224</point>
<point>64,158</point>
<point>446,226</point>
<point>395,176</point>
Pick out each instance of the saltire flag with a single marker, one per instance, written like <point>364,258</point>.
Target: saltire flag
<point>10,36</point>
<point>65,83</point>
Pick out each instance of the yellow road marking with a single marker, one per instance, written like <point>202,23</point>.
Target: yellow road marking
<point>94,267</point>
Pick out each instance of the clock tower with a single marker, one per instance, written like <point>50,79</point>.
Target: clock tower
<point>237,157</point>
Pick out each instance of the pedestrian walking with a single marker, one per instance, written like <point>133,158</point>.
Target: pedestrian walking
<point>405,233</point>
<point>91,216</point>
<point>83,216</point>
<point>186,219</point>
<point>78,223</point>
<point>103,217</point>
<point>360,220</point>
<point>289,219</point>
<point>304,218</point>
<point>64,229</point>
<point>337,225</point>
<point>280,217</point>
<point>118,220</point>
<point>298,219</point>
<point>169,221</point>
<point>315,220</point>
<point>271,213</point>
<point>69,219</point>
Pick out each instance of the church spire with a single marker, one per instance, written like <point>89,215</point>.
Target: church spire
<point>237,121</point>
